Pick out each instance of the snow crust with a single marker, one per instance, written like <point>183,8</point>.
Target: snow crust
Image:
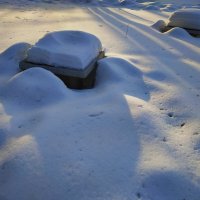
<point>70,49</point>
<point>186,18</point>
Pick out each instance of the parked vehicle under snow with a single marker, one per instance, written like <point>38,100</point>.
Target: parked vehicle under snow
<point>71,55</point>
<point>189,19</point>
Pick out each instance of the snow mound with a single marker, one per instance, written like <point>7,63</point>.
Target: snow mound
<point>126,3</point>
<point>159,25</point>
<point>178,33</point>
<point>186,18</point>
<point>170,185</point>
<point>71,49</point>
<point>197,145</point>
<point>34,87</point>
<point>152,7</point>
<point>17,52</point>
<point>9,60</point>
<point>120,74</point>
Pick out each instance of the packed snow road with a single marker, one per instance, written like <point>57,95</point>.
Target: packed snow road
<point>136,135</point>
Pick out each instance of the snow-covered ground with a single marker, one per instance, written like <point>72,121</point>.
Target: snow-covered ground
<point>136,135</point>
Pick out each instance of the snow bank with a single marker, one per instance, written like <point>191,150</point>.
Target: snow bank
<point>159,25</point>
<point>178,33</point>
<point>9,60</point>
<point>134,136</point>
<point>165,5</point>
<point>34,87</point>
<point>70,49</point>
<point>186,18</point>
<point>113,2</point>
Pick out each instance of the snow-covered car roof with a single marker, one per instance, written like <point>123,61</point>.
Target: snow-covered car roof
<point>70,49</point>
<point>186,18</point>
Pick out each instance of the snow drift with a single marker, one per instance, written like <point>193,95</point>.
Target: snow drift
<point>33,88</point>
<point>185,18</point>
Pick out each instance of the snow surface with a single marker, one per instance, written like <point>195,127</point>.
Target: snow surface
<point>136,135</point>
<point>70,49</point>
<point>186,18</point>
<point>11,58</point>
<point>33,87</point>
<point>178,33</point>
<point>160,25</point>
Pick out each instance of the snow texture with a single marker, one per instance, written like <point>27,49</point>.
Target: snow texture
<point>34,87</point>
<point>159,25</point>
<point>186,18</point>
<point>134,136</point>
<point>178,33</point>
<point>70,49</point>
<point>9,60</point>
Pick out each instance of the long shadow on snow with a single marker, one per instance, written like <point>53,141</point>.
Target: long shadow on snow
<point>165,51</point>
<point>135,16</point>
<point>84,147</point>
<point>164,63</point>
<point>171,185</point>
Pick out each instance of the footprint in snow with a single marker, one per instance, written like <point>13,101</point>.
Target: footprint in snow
<point>95,114</point>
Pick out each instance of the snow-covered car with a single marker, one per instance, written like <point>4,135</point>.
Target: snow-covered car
<point>189,19</point>
<point>71,55</point>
